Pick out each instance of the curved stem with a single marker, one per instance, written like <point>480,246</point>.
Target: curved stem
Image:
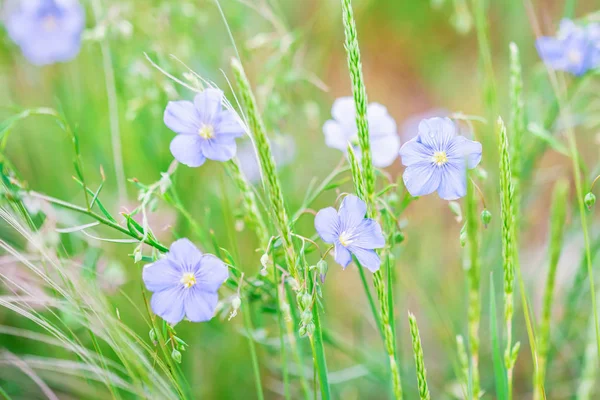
<point>99,218</point>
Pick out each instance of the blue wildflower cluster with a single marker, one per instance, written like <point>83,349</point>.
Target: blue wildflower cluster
<point>47,31</point>
<point>575,48</point>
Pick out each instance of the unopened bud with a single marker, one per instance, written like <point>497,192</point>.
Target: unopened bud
<point>589,200</point>
<point>322,267</point>
<point>176,356</point>
<point>236,303</point>
<point>152,335</point>
<point>137,255</point>
<point>264,260</point>
<point>486,217</point>
<point>398,237</point>
<point>455,208</point>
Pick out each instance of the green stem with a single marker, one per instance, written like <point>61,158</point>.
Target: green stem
<point>253,356</point>
<point>363,279</point>
<point>559,210</point>
<point>98,218</point>
<point>113,106</point>
<point>584,225</point>
<point>316,342</point>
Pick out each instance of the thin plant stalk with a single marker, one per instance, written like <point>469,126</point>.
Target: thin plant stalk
<point>267,164</point>
<point>367,171</point>
<point>113,106</point>
<point>582,208</point>
<point>589,370</point>
<point>508,243</point>
<point>275,195</point>
<point>473,279</point>
<point>252,214</point>
<point>558,220</point>
<point>253,356</point>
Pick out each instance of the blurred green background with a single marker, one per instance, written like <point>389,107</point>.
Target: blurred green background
<point>417,56</point>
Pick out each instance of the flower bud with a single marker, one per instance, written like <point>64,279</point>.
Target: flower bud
<point>399,237</point>
<point>137,255</point>
<point>176,356</point>
<point>152,335</point>
<point>264,260</point>
<point>322,267</point>
<point>236,303</point>
<point>589,200</point>
<point>456,210</point>
<point>486,217</point>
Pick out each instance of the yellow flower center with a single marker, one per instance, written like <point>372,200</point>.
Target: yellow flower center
<point>188,280</point>
<point>49,23</point>
<point>345,239</point>
<point>206,132</point>
<point>575,56</point>
<point>440,158</point>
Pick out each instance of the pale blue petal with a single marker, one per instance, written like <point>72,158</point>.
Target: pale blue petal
<point>185,254</point>
<point>161,275</point>
<point>454,181</point>
<point>385,150</point>
<point>228,124</point>
<point>200,305</point>
<point>368,235</point>
<point>367,258</point>
<point>336,136</point>
<point>327,224</point>
<point>380,122</point>
<point>352,212</point>
<point>552,52</point>
<point>410,127</point>
<point>436,132</point>
<point>168,304</point>
<point>219,149</point>
<point>422,178</point>
<point>567,27</point>
<point>187,149</point>
<point>344,110</point>
<point>208,104</point>
<point>342,255</point>
<point>181,117</point>
<point>413,152</point>
<point>465,149</point>
<point>212,273</point>
<point>47,32</point>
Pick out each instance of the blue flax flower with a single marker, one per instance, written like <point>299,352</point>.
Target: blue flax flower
<point>205,129</point>
<point>351,233</point>
<point>575,49</point>
<point>342,130</point>
<point>47,31</point>
<point>437,159</point>
<point>185,283</point>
